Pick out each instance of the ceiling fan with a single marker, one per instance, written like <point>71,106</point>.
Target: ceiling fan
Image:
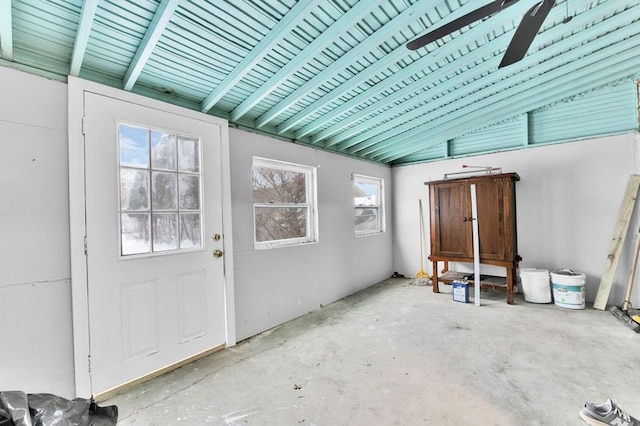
<point>522,39</point>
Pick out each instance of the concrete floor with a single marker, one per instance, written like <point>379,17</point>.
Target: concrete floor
<point>397,354</point>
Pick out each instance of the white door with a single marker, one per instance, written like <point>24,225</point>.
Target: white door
<point>153,221</point>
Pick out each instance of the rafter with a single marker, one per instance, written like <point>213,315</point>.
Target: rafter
<point>389,30</point>
<point>82,35</point>
<point>557,92</point>
<point>259,52</point>
<point>447,121</point>
<point>595,70</point>
<point>337,30</point>
<point>159,22</point>
<point>419,65</point>
<point>467,82</point>
<point>355,88</point>
<point>6,30</point>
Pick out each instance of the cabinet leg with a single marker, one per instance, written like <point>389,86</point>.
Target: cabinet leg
<point>511,273</point>
<point>434,278</point>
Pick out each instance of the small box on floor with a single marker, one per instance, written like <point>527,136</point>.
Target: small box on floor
<point>460,291</point>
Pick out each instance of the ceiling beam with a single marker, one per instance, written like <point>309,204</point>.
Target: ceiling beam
<point>264,47</point>
<point>371,43</point>
<point>82,35</point>
<point>488,111</point>
<point>314,49</point>
<point>591,82</point>
<point>6,30</point>
<point>481,88</point>
<point>159,22</point>
<point>401,52</point>
<point>372,95</point>
<point>600,68</point>
<point>470,87</point>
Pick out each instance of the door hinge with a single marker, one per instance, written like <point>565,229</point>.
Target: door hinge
<point>84,122</point>
<point>89,362</point>
<point>85,245</point>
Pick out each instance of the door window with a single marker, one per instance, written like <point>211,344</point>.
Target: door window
<point>160,191</point>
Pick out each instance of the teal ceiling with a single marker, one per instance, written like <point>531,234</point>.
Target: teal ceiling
<point>334,74</point>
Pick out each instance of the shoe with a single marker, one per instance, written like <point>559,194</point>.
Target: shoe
<point>605,414</point>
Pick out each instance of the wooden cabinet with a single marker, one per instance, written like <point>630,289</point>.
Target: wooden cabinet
<point>451,223</point>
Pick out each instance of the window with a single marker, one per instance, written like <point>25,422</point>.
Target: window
<point>160,193</point>
<point>284,203</point>
<point>368,196</point>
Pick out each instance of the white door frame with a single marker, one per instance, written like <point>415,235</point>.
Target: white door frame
<point>79,296</point>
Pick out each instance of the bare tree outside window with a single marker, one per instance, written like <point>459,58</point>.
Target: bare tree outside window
<point>282,202</point>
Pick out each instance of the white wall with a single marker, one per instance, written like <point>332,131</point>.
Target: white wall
<point>272,286</point>
<point>35,290</point>
<point>277,285</point>
<point>568,201</point>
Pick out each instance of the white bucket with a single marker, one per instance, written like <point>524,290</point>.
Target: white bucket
<point>568,288</point>
<point>535,285</point>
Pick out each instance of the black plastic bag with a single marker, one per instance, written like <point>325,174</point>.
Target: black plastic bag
<point>43,409</point>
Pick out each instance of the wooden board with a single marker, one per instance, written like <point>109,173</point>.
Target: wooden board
<point>493,282</point>
<point>619,235</point>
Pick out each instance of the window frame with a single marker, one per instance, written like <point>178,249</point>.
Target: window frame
<point>379,205</point>
<point>311,204</point>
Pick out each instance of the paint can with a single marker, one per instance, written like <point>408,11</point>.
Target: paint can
<point>460,291</point>
<point>568,288</point>
<point>536,287</point>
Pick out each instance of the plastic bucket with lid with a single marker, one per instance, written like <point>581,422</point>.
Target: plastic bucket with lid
<point>568,288</point>
<point>535,285</point>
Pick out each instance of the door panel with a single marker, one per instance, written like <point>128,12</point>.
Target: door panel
<point>149,311</point>
<point>491,220</point>
<point>452,231</point>
<point>192,310</point>
<point>139,304</point>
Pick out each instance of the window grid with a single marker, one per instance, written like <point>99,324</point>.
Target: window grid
<point>369,205</point>
<point>284,203</point>
<point>160,209</point>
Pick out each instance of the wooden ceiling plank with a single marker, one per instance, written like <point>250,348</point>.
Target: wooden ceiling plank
<point>87,15</point>
<point>390,29</point>
<point>389,60</point>
<point>476,92</point>
<point>337,30</point>
<point>407,91</point>
<point>462,79</point>
<point>266,45</point>
<point>151,37</point>
<point>608,68</point>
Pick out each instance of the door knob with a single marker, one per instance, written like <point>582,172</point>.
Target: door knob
<point>217,253</point>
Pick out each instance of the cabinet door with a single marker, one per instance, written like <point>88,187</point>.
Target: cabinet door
<point>491,218</point>
<point>452,236</point>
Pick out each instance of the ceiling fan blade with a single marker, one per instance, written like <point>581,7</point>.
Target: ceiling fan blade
<point>487,10</point>
<point>526,32</point>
